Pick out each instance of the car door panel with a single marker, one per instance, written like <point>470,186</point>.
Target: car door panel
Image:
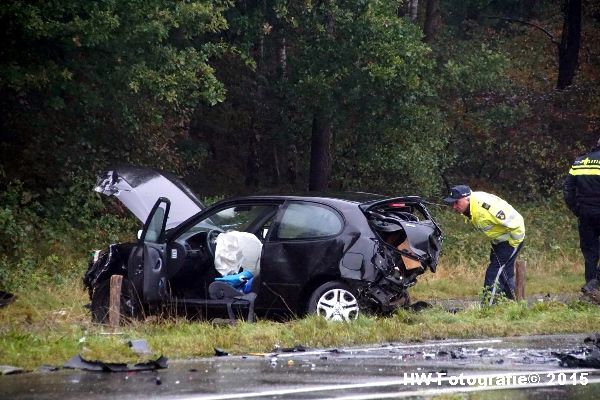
<point>147,264</point>
<point>289,263</point>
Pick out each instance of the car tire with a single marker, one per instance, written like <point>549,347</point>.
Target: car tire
<point>334,301</point>
<point>130,309</point>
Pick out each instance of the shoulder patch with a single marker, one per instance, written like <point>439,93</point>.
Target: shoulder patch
<point>500,215</point>
<point>486,206</point>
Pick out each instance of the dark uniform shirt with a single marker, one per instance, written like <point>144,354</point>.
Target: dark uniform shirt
<point>581,188</point>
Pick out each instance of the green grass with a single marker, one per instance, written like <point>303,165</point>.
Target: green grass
<point>36,331</point>
<point>48,323</point>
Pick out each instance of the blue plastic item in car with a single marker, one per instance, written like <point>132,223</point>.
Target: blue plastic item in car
<point>241,281</point>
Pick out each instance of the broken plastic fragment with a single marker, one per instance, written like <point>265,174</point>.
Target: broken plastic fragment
<point>9,369</point>
<point>220,352</point>
<point>6,298</point>
<point>77,362</point>
<point>586,357</point>
<point>295,349</point>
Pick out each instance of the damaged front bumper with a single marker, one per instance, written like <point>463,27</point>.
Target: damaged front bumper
<point>104,263</point>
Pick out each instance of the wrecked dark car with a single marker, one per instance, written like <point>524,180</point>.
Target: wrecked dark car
<point>336,256</point>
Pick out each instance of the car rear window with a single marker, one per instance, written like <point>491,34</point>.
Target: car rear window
<point>305,221</point>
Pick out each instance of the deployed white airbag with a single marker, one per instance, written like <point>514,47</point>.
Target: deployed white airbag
<point>237,250</point>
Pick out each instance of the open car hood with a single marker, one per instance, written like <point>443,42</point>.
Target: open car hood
<point>138,189</point>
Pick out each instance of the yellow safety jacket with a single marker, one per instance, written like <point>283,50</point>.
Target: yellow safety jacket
<point>582,186</point>
<point>497,219</point>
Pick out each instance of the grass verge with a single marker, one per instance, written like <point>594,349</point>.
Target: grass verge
<point>31,335</point>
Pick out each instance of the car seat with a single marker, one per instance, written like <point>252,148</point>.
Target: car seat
<point>230,296</point>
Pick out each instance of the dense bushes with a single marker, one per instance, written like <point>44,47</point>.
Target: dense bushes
<point>46,240</point>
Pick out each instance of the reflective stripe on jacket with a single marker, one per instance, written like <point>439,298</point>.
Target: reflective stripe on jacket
<point>581,188</point>
<point>497,219</point>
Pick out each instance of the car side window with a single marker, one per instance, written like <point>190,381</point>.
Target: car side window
<point>155,227</point>
<point>305,221</point>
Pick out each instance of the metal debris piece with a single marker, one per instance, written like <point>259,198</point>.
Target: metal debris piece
<point>9,369</point>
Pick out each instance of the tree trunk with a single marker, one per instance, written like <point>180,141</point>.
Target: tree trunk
<point>254,144</point>
<point>433,20</point>
<point>282,58</point>
<point>252,159</point>
<point>320,157</point>
<point>254,136</point>
<point>292,164</point>
<point>568,49</point>
<point>276,179</point>
<point>413,9</point>
<point>281,70</point>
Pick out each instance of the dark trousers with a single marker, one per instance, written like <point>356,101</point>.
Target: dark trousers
<point>502,254</point>
<point>589,241</point>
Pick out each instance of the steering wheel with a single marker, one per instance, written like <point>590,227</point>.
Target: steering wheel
<point>211,241</point>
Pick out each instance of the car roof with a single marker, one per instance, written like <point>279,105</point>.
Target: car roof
<point>333,197</point>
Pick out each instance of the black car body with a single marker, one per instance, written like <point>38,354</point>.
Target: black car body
<point>333,255</point>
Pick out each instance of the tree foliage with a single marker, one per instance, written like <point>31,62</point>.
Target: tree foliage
<point>85,83</point>
<point>228,94</point>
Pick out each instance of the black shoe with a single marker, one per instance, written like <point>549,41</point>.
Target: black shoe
<point>591,292</point>
<point>591,286</point>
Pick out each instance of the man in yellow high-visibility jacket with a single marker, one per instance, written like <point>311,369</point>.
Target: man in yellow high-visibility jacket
<point>502,224</point>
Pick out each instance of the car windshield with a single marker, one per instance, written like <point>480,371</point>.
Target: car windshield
<point>235,218</point>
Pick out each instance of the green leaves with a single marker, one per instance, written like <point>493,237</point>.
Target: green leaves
<point>476,69</point>
<point>182,78</point>
<point>108,74</point>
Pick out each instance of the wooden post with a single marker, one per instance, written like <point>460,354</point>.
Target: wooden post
<point>520,267</point>
<point>114,310</point>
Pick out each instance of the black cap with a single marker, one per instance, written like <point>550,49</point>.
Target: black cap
<point>457,192</point>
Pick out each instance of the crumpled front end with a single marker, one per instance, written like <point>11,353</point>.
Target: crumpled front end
<point>389,289</point>
<point>104,263</point>
<point>408,243</point>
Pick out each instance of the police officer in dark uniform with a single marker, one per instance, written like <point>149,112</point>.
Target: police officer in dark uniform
<point>581,191</point>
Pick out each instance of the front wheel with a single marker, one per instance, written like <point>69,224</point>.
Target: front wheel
<point>130,307</point>
<point>334,301</point>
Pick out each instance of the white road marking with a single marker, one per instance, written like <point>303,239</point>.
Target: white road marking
<point>401,383</point>
<point>452,390</point>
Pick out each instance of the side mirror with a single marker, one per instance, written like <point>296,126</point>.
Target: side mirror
<point>139,234</point>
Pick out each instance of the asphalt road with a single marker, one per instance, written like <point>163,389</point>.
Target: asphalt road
<point>483,369</point>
